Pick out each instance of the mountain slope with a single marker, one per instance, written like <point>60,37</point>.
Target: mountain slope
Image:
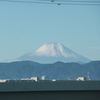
<point>58,70</point>
<point>53,52</point>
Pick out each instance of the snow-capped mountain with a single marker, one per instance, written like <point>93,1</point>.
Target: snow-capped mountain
<point>53,52</point>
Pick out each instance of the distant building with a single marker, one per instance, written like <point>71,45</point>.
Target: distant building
<point>54,80</point>
<point>2,80</point>
<point>35,78</point>
<point>81,78</point>
<point>44,77</point>
<point>25,79</point>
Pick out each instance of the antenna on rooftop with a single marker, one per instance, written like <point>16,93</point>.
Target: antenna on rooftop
<point>88,75</point>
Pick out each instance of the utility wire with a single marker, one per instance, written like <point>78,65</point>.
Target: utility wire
<point>59,2</point>
<point>72,1</point>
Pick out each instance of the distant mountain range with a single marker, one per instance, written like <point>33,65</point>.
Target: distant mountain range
<point>52,52</point>
<point>58,70</point>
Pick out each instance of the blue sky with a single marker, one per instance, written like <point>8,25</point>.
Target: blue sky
<point>25,27</point>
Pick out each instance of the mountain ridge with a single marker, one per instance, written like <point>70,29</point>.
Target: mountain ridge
<point>57,70</point>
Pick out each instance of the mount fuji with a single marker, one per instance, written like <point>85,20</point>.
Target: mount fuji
<point>53,52</point>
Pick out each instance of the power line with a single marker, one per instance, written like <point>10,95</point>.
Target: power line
<point>59,2</point>
<point>72,1</point>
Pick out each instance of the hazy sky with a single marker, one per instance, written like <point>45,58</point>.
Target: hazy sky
<point>25,27</point>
